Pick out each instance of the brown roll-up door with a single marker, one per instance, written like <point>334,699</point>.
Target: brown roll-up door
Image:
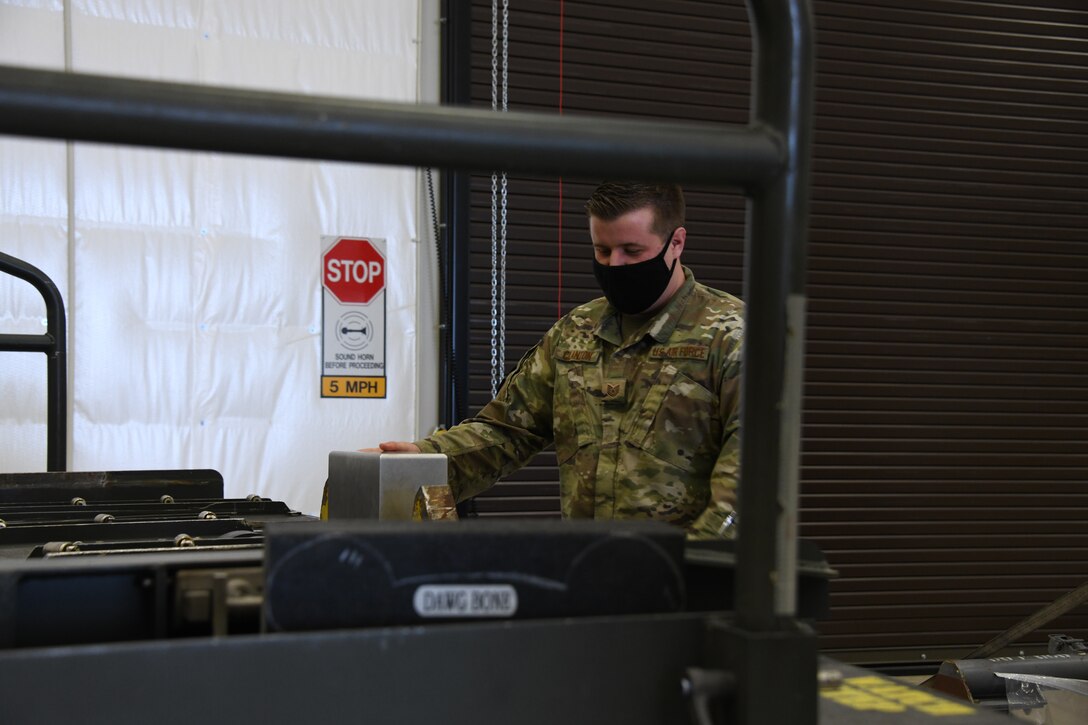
<point>945,441</point>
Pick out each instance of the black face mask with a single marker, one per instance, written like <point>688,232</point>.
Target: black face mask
<point>632,288</point>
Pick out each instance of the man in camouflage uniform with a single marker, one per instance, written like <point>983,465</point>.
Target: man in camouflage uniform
<point>638,390</point>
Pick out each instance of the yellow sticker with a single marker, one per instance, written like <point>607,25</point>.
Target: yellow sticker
<point>856,699</point>
<point>881,695</point>
<point>352,387</point>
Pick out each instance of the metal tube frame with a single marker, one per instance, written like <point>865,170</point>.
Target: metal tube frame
<point>54,344</point>
<point>769,159</point>
<point>51,104</point>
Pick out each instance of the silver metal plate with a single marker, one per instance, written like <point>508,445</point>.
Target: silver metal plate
<point>380,485</point>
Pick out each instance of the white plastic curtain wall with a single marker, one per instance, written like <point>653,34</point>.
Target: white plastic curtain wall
<point>192,280</point>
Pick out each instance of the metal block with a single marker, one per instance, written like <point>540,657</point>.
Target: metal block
<point>380,486</point>
<point>775,672</point>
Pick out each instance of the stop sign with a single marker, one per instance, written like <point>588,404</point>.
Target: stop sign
<point>353,271</point>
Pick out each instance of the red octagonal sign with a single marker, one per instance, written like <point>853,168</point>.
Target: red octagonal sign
<point>354,271</point>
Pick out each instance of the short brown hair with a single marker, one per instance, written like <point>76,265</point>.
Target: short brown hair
<point>613,199</point>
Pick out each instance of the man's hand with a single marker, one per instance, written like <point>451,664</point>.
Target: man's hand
<point>393,447</point>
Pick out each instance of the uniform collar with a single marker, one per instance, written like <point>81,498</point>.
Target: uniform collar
<point>660,327</point>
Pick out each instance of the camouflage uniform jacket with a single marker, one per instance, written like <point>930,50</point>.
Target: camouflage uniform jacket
<point>645,427</point>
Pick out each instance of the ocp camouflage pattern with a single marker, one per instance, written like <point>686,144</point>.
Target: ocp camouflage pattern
<point>646,427</point>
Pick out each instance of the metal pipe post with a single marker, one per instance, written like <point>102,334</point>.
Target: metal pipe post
<point>775,298</point>
<point>767,645</point>
<point>54,344</point>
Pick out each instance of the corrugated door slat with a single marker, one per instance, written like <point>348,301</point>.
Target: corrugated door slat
<point>945,433</point>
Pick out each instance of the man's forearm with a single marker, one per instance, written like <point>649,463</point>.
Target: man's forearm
<point>480,453</point>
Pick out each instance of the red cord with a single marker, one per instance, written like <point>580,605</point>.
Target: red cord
<point>559,292</point>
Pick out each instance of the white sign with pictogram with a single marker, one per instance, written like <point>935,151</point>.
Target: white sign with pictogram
<point>353,272</point>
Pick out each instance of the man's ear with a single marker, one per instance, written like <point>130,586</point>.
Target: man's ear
<point>678,238</point>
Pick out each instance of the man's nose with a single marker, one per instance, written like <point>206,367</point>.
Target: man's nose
<point>617,258</point>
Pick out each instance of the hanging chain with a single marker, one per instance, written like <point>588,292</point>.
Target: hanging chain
<point>502,231</point>
<point>498,229</point>
<point>494,207</point>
